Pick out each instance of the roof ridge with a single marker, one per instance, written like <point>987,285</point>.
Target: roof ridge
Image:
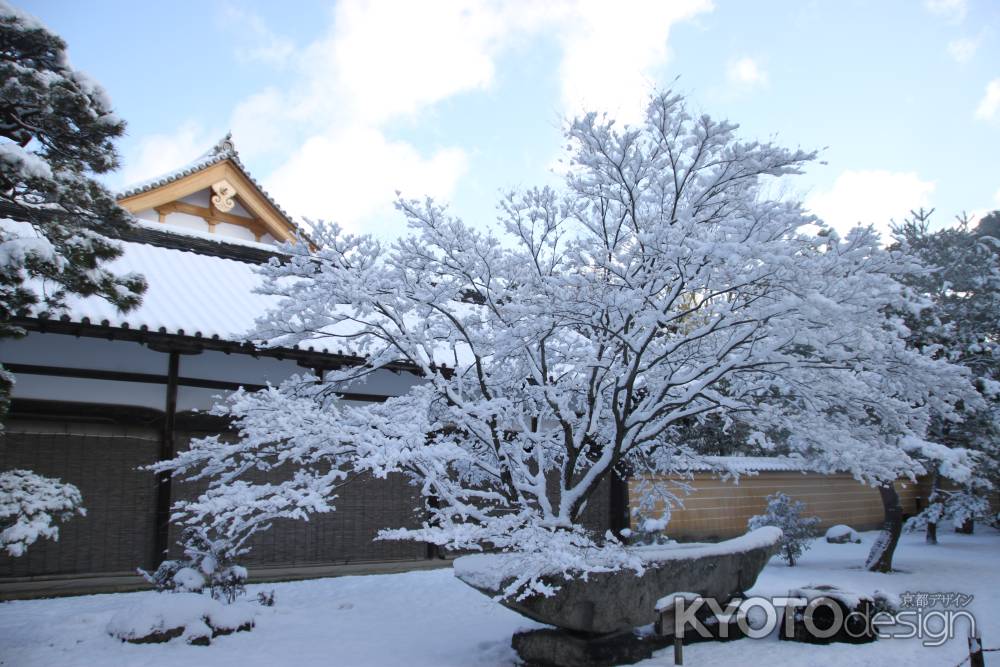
<point>225,146</point>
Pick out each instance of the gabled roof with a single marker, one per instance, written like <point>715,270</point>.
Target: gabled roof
<point>220,161</point>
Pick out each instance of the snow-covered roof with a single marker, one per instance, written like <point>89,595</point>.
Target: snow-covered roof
<point>224,150</point>
<point>188,294</point>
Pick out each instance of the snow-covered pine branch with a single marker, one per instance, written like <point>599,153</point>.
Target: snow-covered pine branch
<point>57,223</point>
<point>30,506</point>
<point>661,284</point>
<point>57,130</point>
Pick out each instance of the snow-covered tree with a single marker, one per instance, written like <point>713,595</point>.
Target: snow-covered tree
<point>662,284</point>
<point>57,131</point>
<point>797,530</point>
<point>30,506</point>
<point>958,506</point>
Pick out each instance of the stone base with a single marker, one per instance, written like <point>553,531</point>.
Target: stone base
<point>563,648</point>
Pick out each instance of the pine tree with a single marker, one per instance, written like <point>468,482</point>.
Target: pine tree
<point>786,514</point>
<point>57,131</point>
<point>57,223</point>
<point>962,285</point>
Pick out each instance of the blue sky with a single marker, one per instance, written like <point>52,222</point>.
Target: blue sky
<point>336,106</point>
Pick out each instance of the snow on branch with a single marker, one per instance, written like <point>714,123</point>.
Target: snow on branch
<point>30,505</point>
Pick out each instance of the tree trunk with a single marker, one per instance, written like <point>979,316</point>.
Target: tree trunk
<point>618,506</point>
<point>880,557</point>
<point>931,499</point>
<point>966,527</point>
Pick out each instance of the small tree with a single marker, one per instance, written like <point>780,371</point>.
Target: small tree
<point>786,514</point>
<point>959,506</point>
<point>30,505</point>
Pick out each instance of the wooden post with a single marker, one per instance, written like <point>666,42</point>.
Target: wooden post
<point>976,658</point>
<point>678,638</point>
<point>163,490</point>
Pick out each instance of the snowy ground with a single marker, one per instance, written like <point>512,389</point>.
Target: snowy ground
<point>430,618</point>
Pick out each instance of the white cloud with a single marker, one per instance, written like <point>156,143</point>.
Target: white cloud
<point>963,49</point>
<point>610,52</point>
<point>158,154</point>
<point>383,62</point>
<point>745,72</point>
<point>390,59</point>
<point>262,124</point>
<point>990,104</point>
<point>351,175</point>
<point>952,10</point>
<point>870,197</point>
<point>261,44</point>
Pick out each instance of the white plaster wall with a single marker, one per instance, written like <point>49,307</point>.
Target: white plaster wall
<point>213,365</point>
<point>200,198</point>
<point>187,221</point>
<point>81,390</point>
<point>234,231</point>
<point>66,351</point>
<point>47,349</point>
<point>239,210</point>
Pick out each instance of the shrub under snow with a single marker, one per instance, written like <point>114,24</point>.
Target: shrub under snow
<point>30,504</point>
<point>208,564</point>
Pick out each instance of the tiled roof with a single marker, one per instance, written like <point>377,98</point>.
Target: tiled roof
<point>188,294</point>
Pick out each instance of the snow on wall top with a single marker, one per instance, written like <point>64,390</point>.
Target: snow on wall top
<point>749,464</point>
<point>225,149</point>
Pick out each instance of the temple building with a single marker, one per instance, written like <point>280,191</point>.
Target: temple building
<point>100,393</point>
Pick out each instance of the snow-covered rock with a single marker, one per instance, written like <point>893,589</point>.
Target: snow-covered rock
<point>603,602</point>
<point>841,534</point>
<point>195,617</point>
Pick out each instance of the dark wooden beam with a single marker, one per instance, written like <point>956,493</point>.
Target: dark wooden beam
<point>164,500</point>
<point>153,378</point>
